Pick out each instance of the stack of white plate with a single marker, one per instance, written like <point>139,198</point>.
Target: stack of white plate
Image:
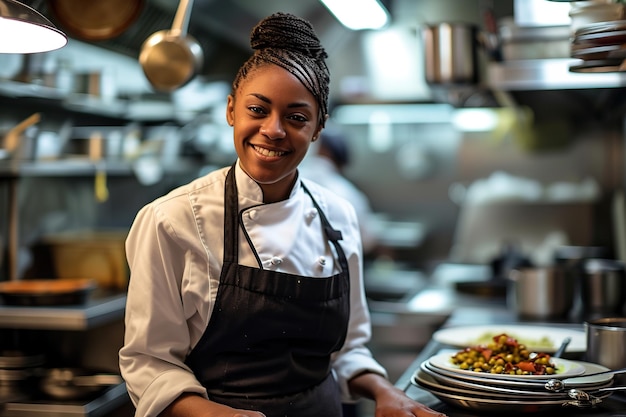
<point>601,47</point>
<point>499,392</point>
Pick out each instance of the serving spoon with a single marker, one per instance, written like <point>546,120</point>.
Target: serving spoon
<point>557,385</point>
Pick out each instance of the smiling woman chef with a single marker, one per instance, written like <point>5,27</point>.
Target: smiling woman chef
<point>246,296</point>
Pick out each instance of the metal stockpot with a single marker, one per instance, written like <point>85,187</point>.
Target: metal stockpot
<point>450,51</point>
<point>606,343</point>
<point>603,288</point>
<point>540,292</point>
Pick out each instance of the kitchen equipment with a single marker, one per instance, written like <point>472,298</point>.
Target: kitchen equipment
<point>46,292</point>
<point>559,352</point>
<point>96,20</point>
<point>585,13</point>
<point>171,58</point>
<point>603,288</point>
<point>12,140</point>
<point>527,387</point>
<point>540,292</point>
<point>101,190</point>
<point>17,372</point>
<point>76,383</point>
<point>97,254</point>
<point>451,53</point>
<point>562,384</point>
<point>511,393</point>
<point>606,342</point>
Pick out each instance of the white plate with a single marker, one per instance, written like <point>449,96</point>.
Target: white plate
<point>564,368</point>
<point>532,336</point>
<point>484,387</point>
<point>426,378</point>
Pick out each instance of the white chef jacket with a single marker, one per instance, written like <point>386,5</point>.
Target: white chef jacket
<point>175,252</point>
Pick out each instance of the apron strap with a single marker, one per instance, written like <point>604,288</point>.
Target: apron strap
<point>231,227</point>
<point>331,234</point>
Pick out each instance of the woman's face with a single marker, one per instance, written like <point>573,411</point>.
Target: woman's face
<point>275,119</point>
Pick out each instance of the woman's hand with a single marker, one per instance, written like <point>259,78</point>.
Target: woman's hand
<point>193,405</point>
<point>390,401</point>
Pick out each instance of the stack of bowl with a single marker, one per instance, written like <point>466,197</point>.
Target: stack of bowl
<point>599,35</point>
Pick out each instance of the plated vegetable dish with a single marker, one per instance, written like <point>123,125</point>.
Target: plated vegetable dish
<point>504,355</point>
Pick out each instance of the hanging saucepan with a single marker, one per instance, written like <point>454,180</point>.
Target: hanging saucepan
<point>95,20</point>
<point>171,58</point>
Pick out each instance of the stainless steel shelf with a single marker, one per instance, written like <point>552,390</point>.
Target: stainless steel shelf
<point>548,74</point>
<point>69,167</point>
<point>109,401</point>
<point>94,313</point>
<point>61,168</point>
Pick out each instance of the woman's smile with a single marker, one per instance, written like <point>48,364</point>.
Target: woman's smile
<point>268,152</point>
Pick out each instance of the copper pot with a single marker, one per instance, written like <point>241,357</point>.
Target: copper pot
<point>95,20</point>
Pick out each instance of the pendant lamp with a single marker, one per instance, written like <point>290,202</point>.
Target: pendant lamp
<point>23,30</point>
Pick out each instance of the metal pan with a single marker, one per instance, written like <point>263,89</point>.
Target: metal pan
<point>171,58</point>
<point>95,20</point>
<point>48,292</point>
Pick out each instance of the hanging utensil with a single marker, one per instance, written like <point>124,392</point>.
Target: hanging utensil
<point>12,138</point>
<point>95,155</point>
<point>171,58</point>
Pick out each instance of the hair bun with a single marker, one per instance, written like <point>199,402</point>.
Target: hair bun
<point>286,31</point>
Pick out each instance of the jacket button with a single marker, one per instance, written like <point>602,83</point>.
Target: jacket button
<point>312,214</point>
<point>276,260</point>
<point>321,260</point>
<point>252,214</point>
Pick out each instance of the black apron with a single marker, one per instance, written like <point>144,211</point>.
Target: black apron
<point>268,343</point>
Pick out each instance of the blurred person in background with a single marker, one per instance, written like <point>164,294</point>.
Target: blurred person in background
<point>326,167</point>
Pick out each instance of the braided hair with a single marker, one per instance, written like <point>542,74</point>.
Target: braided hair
<point>291,43</point>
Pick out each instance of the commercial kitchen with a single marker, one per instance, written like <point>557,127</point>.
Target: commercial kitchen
<point>487,135</point>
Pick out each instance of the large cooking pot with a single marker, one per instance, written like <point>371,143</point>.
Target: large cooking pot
<point>540,293</point>
<point>450,51</point>
<point>603,288</point>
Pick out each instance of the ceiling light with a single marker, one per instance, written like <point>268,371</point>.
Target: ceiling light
<point>23,30</point>
<point>358,14</point>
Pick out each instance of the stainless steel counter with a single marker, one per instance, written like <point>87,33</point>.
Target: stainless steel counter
<point>97,311</point>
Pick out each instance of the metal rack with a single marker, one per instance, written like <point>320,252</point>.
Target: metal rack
<point>98,311</point>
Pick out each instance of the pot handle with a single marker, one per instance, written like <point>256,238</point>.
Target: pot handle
<point>181,19</point>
